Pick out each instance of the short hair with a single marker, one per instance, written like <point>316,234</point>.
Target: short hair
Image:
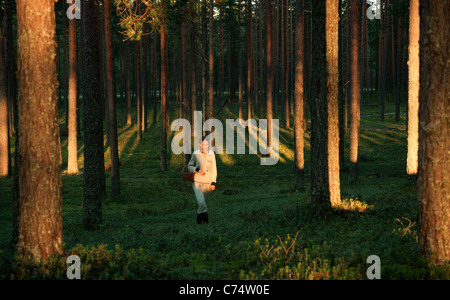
<point>204,138</point>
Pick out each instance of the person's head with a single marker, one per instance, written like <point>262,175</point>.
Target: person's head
<point>204,144</point>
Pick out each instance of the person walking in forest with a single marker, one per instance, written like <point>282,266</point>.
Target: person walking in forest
<point>203,165</point>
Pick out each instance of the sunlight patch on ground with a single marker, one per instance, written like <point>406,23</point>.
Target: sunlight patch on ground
<point>353,205</point>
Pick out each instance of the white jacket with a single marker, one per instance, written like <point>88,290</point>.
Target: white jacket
<point>207,163</point>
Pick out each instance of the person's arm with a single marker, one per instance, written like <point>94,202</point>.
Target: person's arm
<point>214,172</point>
<point>192,165</point>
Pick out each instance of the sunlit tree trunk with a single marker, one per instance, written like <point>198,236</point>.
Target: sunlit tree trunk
<point>94,168</point>
<point>341,93</point>
<point>324,181</point>
<point>72,148</point>
<point>10,66</point>
<point>298,108</point>
<point>4,108</point>
<point>413,89</point>
<point>332,52</point>
<point>40,204</point>
<point>434,112</point>
<point>5,158</point>
<point>64,71</point>
<point>355,95</point>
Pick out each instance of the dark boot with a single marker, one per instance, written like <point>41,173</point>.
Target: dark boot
<point>205,218</point>
<point>199,218</point>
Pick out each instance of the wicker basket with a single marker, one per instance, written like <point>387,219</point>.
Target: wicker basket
<point>187,176</point>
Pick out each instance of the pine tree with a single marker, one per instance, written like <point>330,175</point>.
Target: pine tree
<point>94,167</point>
<point>40,201</point>
<point>434,159</point>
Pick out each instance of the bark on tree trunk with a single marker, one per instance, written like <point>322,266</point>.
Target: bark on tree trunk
<point>137,84</point>
<point>72,163</point>
<point>341,94</point>
<point>332,47</point>
<point>184,74</point>
<point>354,93</point>
<point>211,62</point>
<point>249,59</point>
<point>413,90</point>
<point>324,180</point>
<point>298,107</point>
<point>111,86</point>
<point>40,205</point>
<point>94,167</point>
<point>164,86</point>
<point>434,156</point>
<point>128,81</point>
<point>5,157</point>
<point>240,61</point>
<point>270,70</point>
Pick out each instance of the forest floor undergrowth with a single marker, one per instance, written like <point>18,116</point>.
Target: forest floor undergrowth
<point>259,226</point>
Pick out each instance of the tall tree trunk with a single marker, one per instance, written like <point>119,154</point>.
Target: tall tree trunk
<point>111,85</point>
<point>211,62</point>
<point>72,148</point>
<point>240,61</point>
<point>354,92</point>
<point>284,56</point>
<point>270,70</point>
<point>184,75</point>
<point>64,71</point>
<point>341,94</point>
<point>137,84</point>
<point>307,66</point>
<point>384,72</point>
<point>332,55</point>
<point>164,85</point>
<point>325,183</point>
<point>10,66</point>
<point>434,112</point>
<point>40,205</point>
<point>155,77</point>
<point>128,81</point>
<point>144,70</point>
<point>94,168</point>
<point>413,89</point>
<point>298,110</point>
<point>249,59</point>
<point>261,56</point>
<point>319,178</point>
<point>5,157</point>
<point>380,63</point>
<point>398,73</point>
<point>204,60</point>
<point>193,71</point>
